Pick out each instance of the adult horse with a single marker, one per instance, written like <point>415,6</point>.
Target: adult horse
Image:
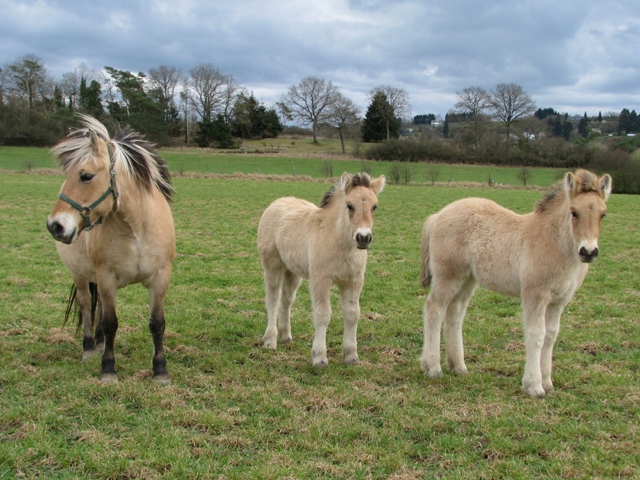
<point>541,257</point>
<point>327,245</point>
<point>113,227</point>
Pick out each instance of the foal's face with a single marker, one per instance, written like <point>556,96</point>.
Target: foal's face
<point>84,185</point>
<point>587,211</point>
<point>361,203</point>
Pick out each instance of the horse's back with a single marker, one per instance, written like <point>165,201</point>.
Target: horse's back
<point>475,237</point>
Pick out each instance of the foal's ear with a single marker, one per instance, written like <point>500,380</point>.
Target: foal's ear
<point>605,185</point>
<point>569,182</point>
<point>378,184</point>
<point>344,182</point>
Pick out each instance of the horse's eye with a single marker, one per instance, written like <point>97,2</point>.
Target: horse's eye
<point>86,177</point>
<point>351,208</point>
<point>574,215</point>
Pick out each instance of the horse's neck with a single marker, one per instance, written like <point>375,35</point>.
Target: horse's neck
<point>131,208</point>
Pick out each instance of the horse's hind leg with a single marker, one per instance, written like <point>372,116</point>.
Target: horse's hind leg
<point>273,280</point>
<point>350,294</point>
<point>435,310</point>
<point>290,285</point>
<point>85,292</point>
<point>453,328</point>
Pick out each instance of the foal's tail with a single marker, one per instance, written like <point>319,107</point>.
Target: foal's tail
<point>72,305</point>
<point>425,272</point>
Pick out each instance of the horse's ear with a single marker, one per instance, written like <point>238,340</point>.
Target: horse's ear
<point>344,182</point>
<point>378,184</point>
<point>569,182</point>
<point>93,141</point>
<point>606,185</point>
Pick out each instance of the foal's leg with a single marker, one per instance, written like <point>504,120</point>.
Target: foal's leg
<point>552,327</point>
<point>321,297</point>
<point>290,285</point>
<point>350,294</point>
<point>157,292</point>
<point>453,328</point>
<point>273,279</point>
<point>534,336</point>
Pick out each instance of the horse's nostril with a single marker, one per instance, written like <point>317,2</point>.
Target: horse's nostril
<point>362,239</point>
<point>594,254</point>
<point>55,228</point>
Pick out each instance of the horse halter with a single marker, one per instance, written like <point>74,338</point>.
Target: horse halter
<point>86,211</point>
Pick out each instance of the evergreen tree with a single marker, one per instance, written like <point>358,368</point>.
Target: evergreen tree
<point>374,126</point>
<point>624,122</point>
<point>445,127</point>
<point>599,117</point>
<point>215,133</point>
<point>582,127</point>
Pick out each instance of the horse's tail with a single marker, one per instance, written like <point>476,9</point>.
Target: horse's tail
<point>425,272</point>
<point>72,305</point>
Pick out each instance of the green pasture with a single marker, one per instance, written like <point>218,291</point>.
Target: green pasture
<point>235,410</point>
<point>310,162</point>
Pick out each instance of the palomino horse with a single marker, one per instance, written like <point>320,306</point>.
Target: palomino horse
<point>327,245</point>
<point>113,227</point>
<point>541,257</point>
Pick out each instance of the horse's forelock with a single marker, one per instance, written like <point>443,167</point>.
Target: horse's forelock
<point>583,181</point>
<point>357,180</point>
<point>586,182</point>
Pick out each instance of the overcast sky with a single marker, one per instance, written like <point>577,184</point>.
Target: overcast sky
<point>571,55</point>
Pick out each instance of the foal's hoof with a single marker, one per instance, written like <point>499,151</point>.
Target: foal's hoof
<point>351,360</point>
<point>270,344</point>
<point>432,372</point>
<point>320,363</point>
<point>87,354</point>
<point>535,392</point>
<point>109,378</point>
<point>163,379</point>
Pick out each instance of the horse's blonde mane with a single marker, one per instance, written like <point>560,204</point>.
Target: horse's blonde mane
<point>584,182</point>
<point>132,154</point>
<point>357,180</point>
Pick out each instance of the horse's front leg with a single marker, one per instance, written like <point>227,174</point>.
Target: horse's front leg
<point>534,337</point>
<point>552,327</point>
<point>107,291</point>
<point>350,295</point>
<point>157,292</point>
<point>321,298</point>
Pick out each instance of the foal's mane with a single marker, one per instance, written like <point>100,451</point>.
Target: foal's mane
<point>357,180</point>
<point>584,181</point>
<point>132,155</point>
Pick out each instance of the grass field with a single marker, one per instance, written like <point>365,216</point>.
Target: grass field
<point>305,160</point>
<point>235,410</point>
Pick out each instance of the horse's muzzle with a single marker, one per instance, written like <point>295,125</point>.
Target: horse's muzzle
<point>363,240</point>
<point>587,256</point>
<point>59,233</point>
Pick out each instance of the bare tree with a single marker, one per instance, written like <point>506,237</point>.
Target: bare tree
<point>524,174</point>
<point>433,172</point>
<point>473,100</point>
<point>70,84</point>
<point>509,102</point>
<point>207,90</point>
<point>343,114</point>
<point>311,101</point>
<point>165,80</point>
<point>398,100</point>
<point>28,78</point>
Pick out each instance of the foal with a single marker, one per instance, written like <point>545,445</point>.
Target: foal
<point>327,245</point>
<point>541,257</point>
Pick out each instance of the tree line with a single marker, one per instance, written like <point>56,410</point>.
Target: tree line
<point>209,108</point>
